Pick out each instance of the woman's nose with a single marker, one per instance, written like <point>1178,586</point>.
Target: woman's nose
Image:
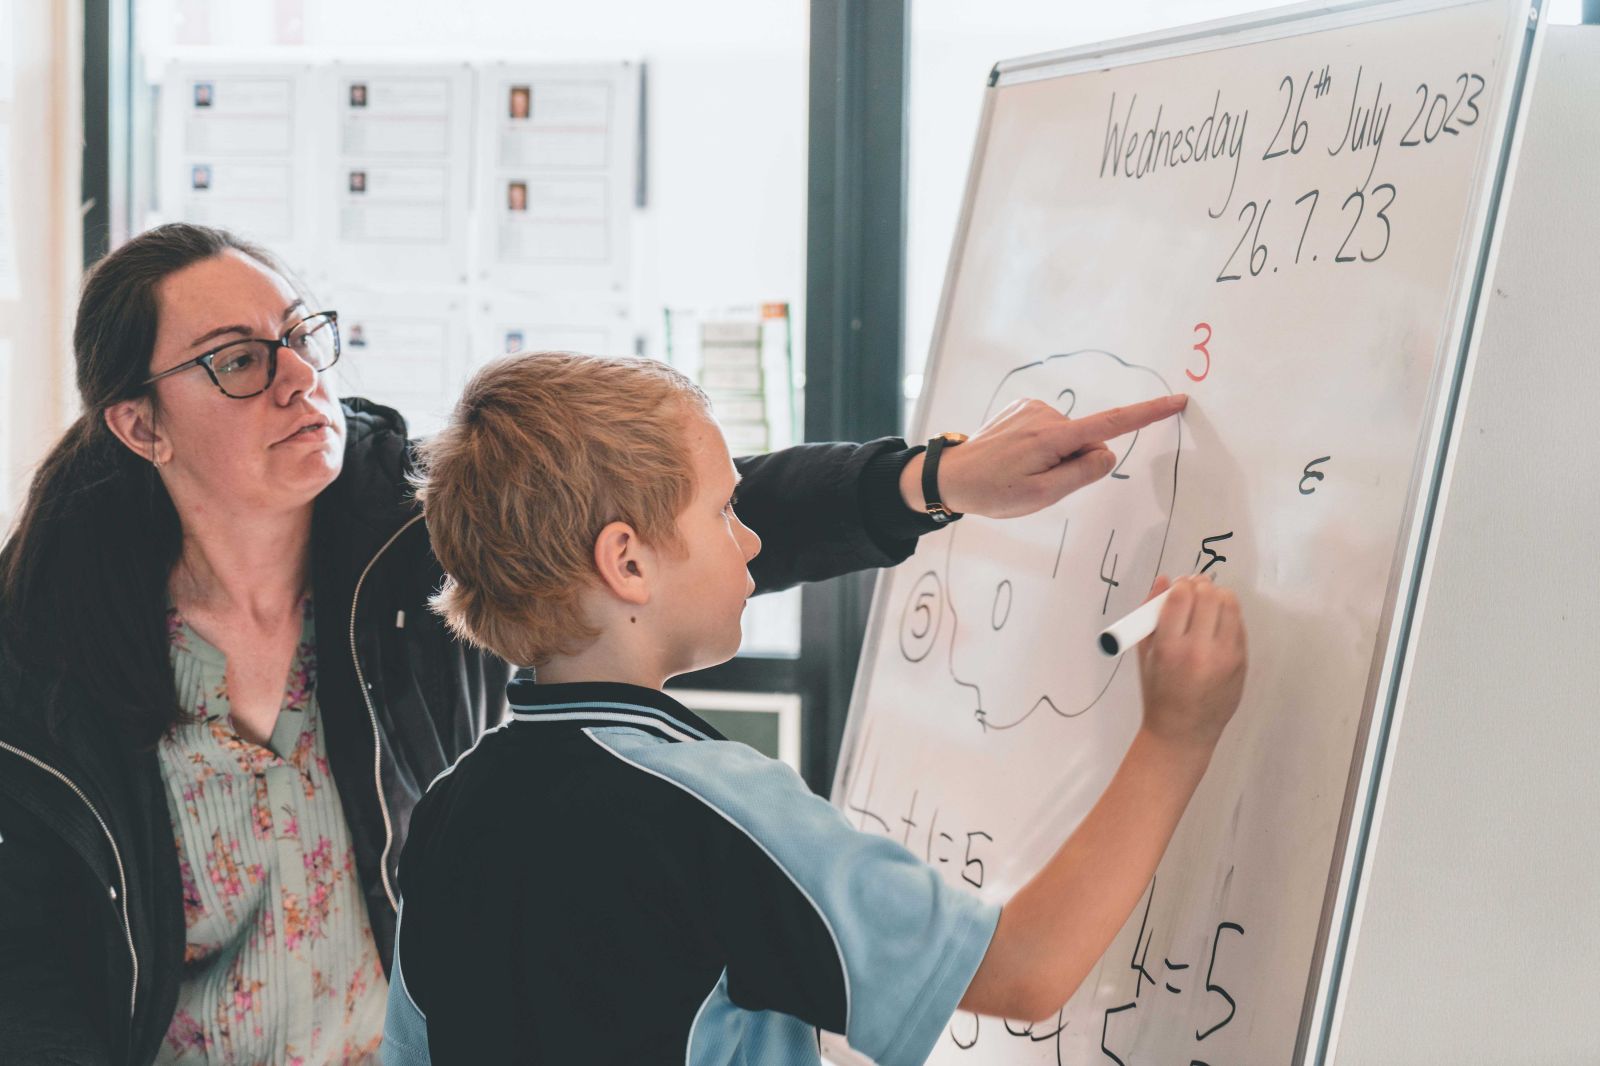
<point>294,375</point>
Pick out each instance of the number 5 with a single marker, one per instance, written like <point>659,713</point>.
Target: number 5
<point>1201,348</point>
<point>971,862</point>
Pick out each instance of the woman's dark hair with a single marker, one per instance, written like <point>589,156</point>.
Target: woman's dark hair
<point>83,577</point>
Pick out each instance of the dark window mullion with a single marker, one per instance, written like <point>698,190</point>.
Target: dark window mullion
<point>107,124</point>
<point>855,308</point>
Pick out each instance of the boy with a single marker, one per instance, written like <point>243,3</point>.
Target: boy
<point>603,878</point>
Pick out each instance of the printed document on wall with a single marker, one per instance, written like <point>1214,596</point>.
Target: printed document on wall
<point>559,175</point>
<point>393,190</point>
<point>233,148</point>
<point>404,350</point>
<point>510,324</point>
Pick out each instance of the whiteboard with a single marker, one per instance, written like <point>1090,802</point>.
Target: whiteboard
<point>1276,217</point>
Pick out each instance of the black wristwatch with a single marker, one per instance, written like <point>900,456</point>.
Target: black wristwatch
<point>930,477</point>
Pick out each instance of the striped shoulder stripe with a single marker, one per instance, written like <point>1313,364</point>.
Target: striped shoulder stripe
<point>624,713</point>
<point>447,771</point>
<point>399,975</point>
<point>688,1047</point>
<point>711,805</point>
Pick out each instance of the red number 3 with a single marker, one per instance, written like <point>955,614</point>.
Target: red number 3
<point>1201,348</point>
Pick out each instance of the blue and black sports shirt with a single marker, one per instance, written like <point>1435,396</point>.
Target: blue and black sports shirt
<point>605,879</point>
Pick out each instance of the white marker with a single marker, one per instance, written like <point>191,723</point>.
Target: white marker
<point>1138,624</point>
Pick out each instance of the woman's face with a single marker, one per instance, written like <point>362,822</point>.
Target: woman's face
<point>240,455</point>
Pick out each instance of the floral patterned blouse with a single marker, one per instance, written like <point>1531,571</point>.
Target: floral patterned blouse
<point>280,965</point>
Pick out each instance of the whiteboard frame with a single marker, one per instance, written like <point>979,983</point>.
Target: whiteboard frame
<point>1407,587</point>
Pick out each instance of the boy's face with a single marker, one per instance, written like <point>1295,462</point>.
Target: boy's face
<point>704,587</point>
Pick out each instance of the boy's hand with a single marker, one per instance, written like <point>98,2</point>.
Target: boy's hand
<point>1192,667</point>
<point>1056,928</point>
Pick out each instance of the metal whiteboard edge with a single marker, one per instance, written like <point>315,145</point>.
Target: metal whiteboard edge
<point>1511,121</point>
<point>1291,20</point>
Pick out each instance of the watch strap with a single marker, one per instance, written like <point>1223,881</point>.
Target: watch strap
<point>930,481</point>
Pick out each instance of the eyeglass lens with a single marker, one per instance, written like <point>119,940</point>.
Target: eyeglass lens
<point>244,368</point>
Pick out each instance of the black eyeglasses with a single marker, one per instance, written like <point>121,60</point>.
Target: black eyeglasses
<point>242,369</point>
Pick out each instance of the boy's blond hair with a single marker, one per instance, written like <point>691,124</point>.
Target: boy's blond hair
<point>541,453</point>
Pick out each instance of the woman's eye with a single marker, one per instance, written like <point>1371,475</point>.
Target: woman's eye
<point>235,362</point>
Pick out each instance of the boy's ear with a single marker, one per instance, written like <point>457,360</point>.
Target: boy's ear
<point>624,563</point>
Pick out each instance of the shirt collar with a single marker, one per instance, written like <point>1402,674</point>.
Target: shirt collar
<point>531,702</point>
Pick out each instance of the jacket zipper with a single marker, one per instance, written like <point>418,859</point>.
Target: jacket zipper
<point>372,714</point>
<point>377,778</point>
<point>116,854</point>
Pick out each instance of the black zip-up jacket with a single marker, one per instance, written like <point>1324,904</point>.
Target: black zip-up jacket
<point>91,911</point>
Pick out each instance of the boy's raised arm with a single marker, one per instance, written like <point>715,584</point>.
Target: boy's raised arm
<point>1057,926</point>
<point>823,510</point>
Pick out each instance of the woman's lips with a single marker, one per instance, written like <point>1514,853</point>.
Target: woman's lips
<point>308,433</point>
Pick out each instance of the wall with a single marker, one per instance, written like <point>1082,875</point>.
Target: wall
<point>44,115</point>
<point>1481,910</point>
<point>725,222</point>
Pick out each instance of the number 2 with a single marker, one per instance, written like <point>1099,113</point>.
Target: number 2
<point>1201,348</point>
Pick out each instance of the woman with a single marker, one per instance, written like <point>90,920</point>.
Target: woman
<point>222,692</point>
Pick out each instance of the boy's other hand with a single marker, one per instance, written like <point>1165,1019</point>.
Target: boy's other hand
<point>1029,456</point>
<point>1193,666</point>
